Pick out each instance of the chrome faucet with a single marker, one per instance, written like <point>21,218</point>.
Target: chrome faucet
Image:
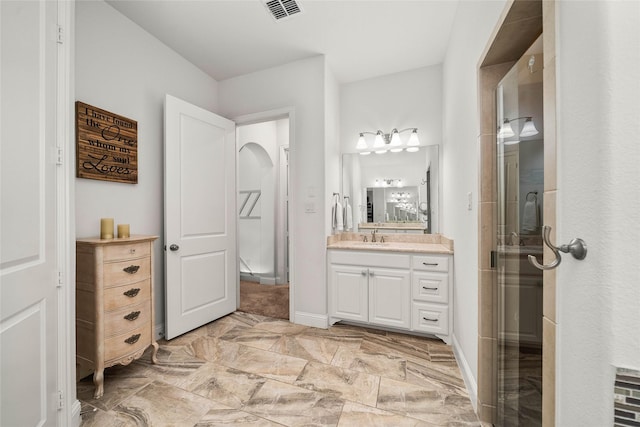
<point>373,235</point>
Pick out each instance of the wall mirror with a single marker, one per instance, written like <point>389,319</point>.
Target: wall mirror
<point>394,192</point>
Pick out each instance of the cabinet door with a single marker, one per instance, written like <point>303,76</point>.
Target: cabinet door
<point>348,286</point>
<point>389,297</point>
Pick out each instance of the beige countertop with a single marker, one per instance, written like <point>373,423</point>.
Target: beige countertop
<point>414,243</point>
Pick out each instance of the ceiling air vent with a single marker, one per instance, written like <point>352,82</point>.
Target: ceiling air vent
<point>282,9</point>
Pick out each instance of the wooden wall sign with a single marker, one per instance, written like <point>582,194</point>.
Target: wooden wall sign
<point>106,145</point>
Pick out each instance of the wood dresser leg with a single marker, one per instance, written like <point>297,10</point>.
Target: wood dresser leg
<point>154,353</point>
<point>98,381</point>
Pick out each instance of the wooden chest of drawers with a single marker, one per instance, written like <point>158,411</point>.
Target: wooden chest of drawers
<point>114,303</point>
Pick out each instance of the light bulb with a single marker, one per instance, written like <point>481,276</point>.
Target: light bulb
<point>379,141</point>
<point>413,139</point>
<point>395,138</point>
<point>413,149</point>
<point>362,144</point>
<point>529,129</point>
<point>396,150</point>
<point>381,151</point>
<point>505,131</point>
<point>365,153</point>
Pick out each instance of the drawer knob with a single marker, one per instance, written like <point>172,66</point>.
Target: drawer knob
<point>132,251</point>
<point>132,269</point>
<point>132,339</point>
<point>132,316</point>
<point>433,264</point>
<point>429,320</point>
<point>131,292</point>
<point>429,289</point>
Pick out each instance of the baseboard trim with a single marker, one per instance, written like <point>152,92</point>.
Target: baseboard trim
<point>311,319</point>
<point>76,419</point>
<point>158,331</point>
<point>467,374</point>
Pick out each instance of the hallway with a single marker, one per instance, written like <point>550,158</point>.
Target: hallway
<point>253,370</point>
<point>264,300</point>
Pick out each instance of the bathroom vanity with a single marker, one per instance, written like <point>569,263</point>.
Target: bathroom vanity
<point>404,283</point>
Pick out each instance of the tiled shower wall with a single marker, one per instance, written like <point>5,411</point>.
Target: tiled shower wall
<point>627,398</point>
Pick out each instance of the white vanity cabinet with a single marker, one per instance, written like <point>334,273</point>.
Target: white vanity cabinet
<point>405,291</point>
<point>370,287</point>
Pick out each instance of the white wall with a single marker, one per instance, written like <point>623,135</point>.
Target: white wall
<point>473,25</point>
<point>332,142</point>
<point>402,100</point>
<point>300,85</point>
<point>121,68</point>
<point>257,170</point>
<point>598,64</point>
<point>282,262</point>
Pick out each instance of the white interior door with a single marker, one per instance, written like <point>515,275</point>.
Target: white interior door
<point>28,248</point>
<point>200,217</point>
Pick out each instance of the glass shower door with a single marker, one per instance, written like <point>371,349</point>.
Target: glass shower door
<point>520,172</point>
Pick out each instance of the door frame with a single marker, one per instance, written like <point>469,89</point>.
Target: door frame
<point>502,51</point>
<point>267,116</point>
<point>65,222</point>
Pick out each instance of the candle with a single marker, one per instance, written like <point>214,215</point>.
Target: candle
<point>123,231</point>
<point>106,228</point>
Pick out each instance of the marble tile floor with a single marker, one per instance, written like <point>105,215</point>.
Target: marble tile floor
<point>250,370</point>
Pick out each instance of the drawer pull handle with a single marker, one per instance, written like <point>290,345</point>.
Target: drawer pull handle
<point>434,264</point>
<point>132,316</point>
<point>429,289</point>
<point>132,269</point>
<point>429,320</point>
<point>131,292</point>
<point>132,339</point>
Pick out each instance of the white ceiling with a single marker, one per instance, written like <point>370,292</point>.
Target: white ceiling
<point>360,38</point>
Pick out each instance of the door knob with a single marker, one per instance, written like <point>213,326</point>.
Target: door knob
<point>174,247</point>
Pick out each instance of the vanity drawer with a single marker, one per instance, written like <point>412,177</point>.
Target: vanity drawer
<point>130,271</point>
<point>127,343</point>
<point>431,263</point>
<point>128,251</point>
<point>431,287</point>
<point>430,318</point>
<point>128,318</point>
<point>126,295</point>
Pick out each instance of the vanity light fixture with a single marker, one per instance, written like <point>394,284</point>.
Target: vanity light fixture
<point>388,142</point>
<point>389,182</point>
<point>506,131</point>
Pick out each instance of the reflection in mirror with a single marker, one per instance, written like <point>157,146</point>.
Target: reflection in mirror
<point>394,192</point>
